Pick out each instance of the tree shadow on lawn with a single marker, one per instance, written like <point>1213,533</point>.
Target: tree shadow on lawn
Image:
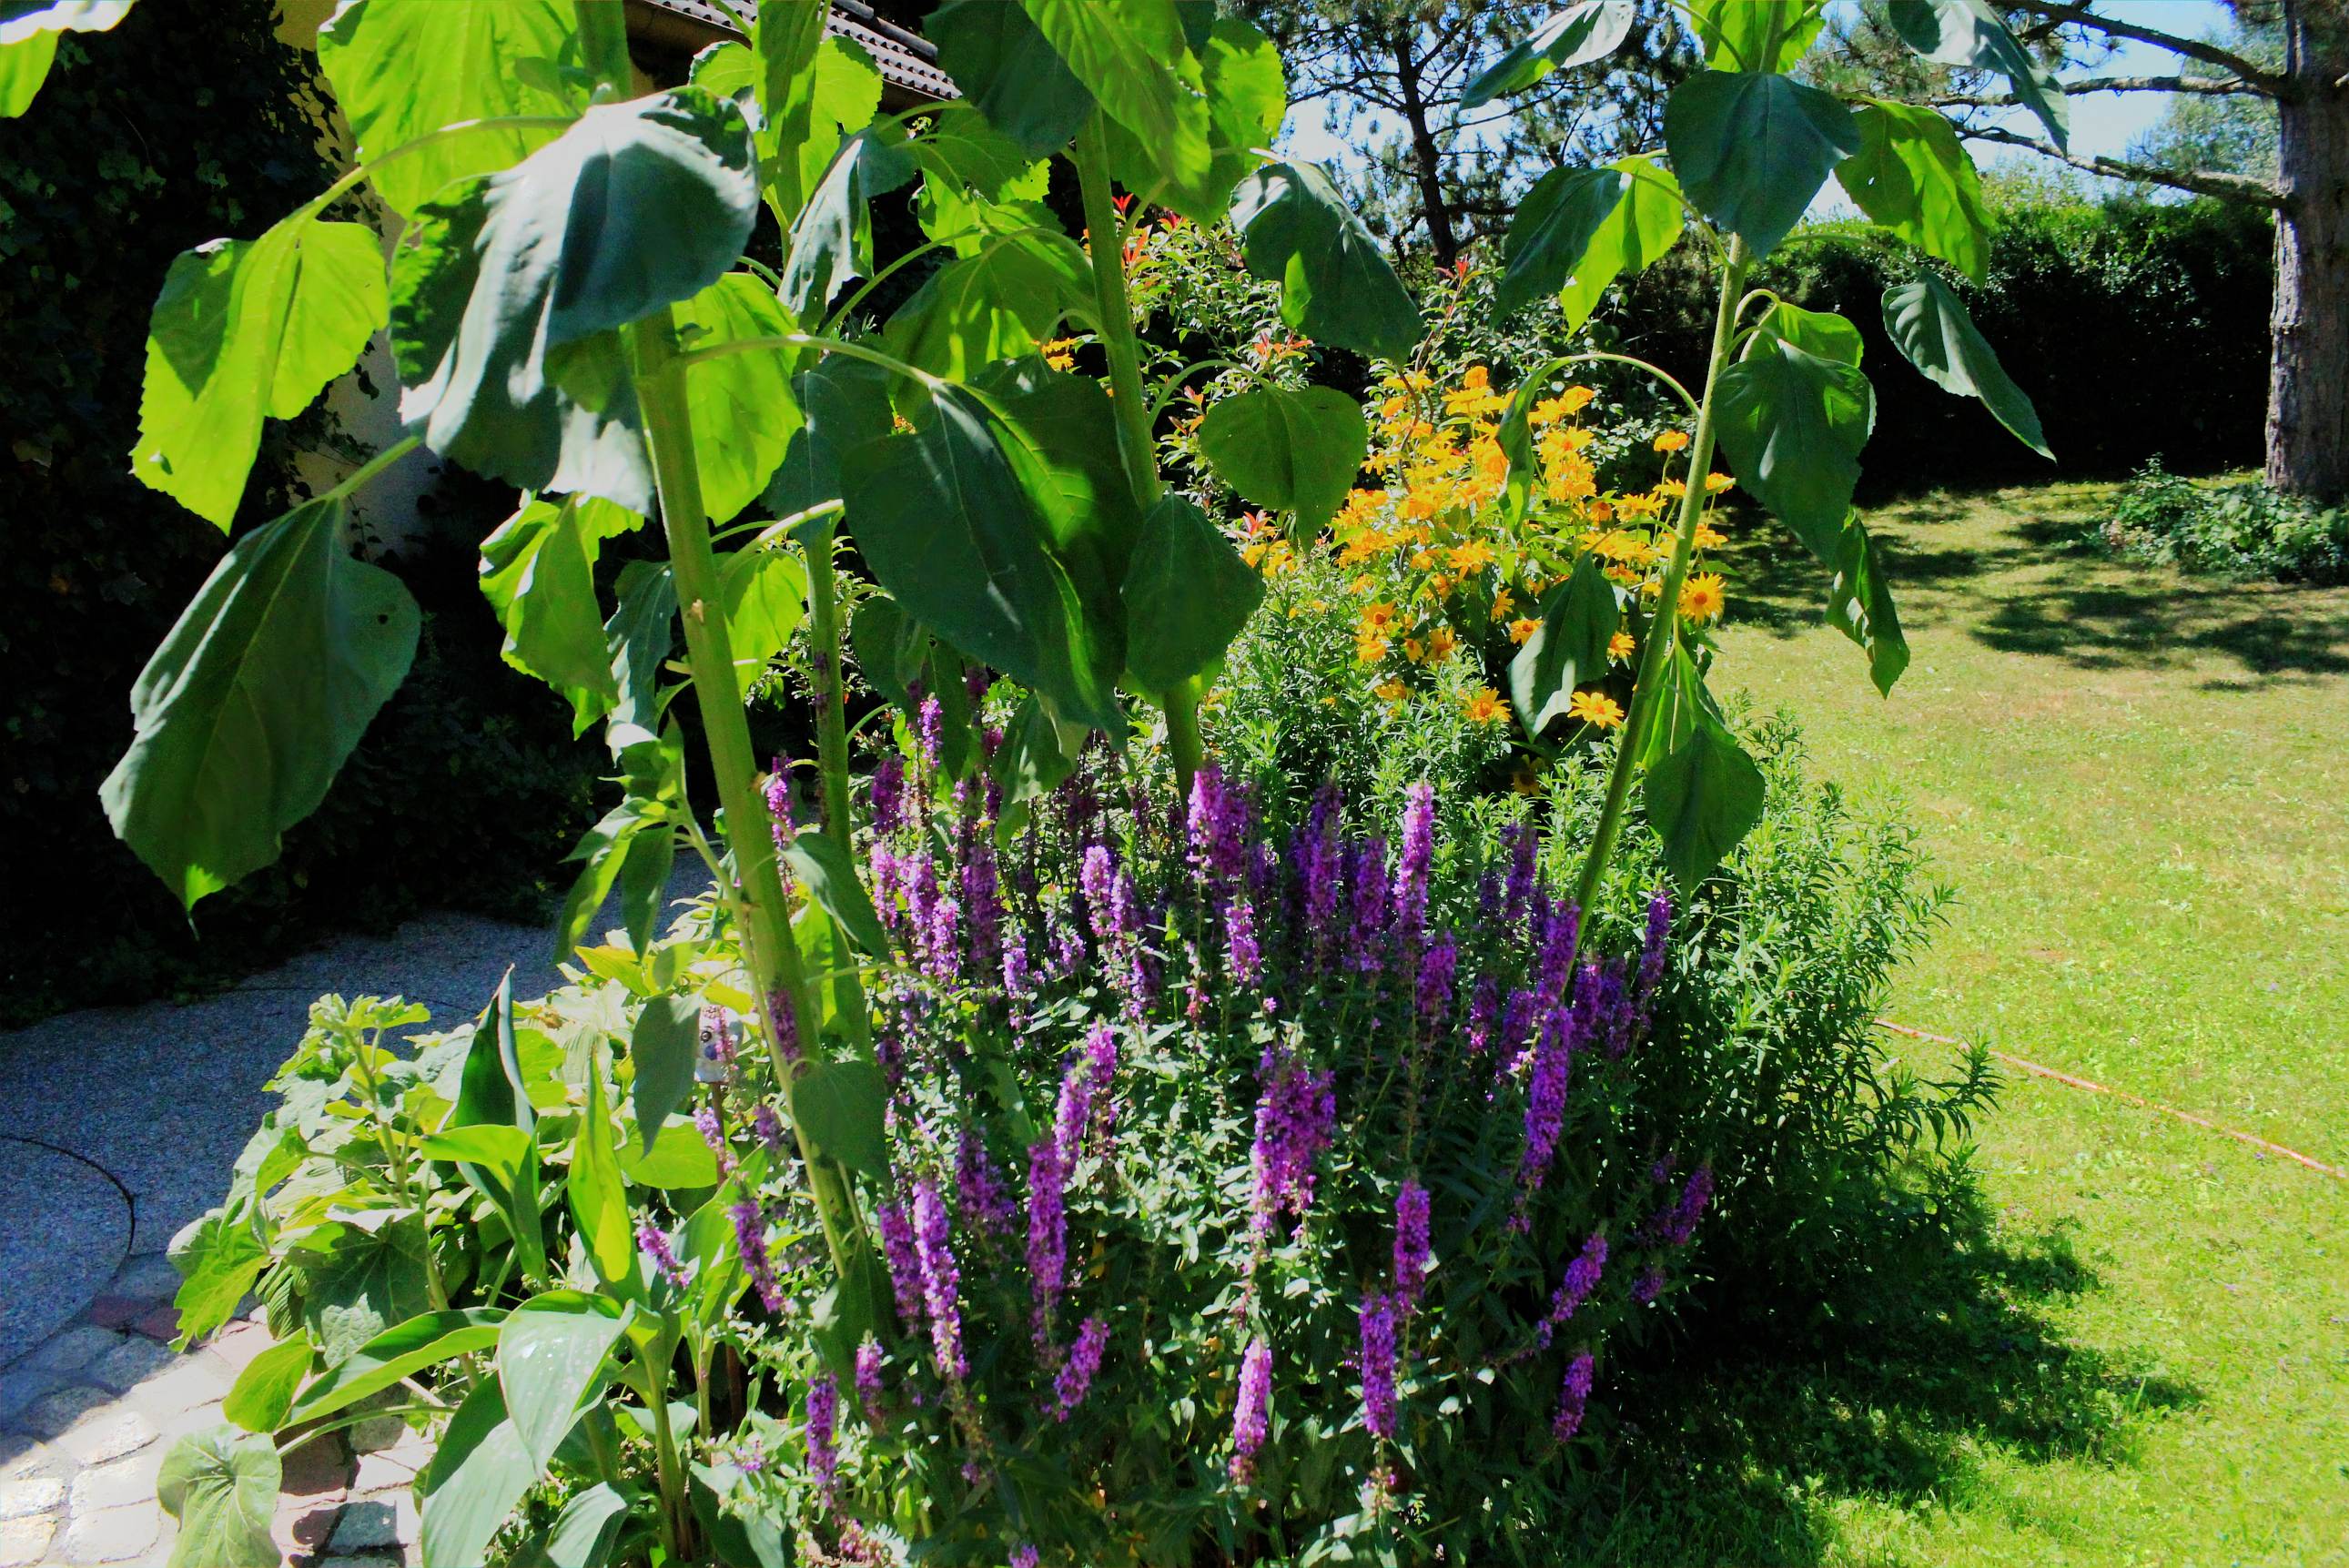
<point>1733,1445</point>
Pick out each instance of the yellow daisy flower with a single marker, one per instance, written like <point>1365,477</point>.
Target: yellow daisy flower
<point>1483,706</point>
<point>1702,596</point>
<point>1595,708</point>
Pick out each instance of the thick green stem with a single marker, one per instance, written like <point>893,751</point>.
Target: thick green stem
<point>832,740</point>
<point>1132,407</point>
<point>1664,627</point>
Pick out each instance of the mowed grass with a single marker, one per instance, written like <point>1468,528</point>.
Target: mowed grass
<point>2137,783</point>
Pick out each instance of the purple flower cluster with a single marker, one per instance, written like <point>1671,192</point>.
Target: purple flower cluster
<point>1075,1377</point>
<point>1296,1110</point>
<point>1251,1411</point>
<point>1582,1276</point>
<point>1674,1226</point>
<point>897,1250</point>
<point>980,1189</point>
<point>1048,1236</point>
<point>1411,1246</point>
<point>751,1242</point>
<point>1378,1319</point>
<point>823,1427</point>
<point>655,1245</point>
<point>778,803</point>
<point>1415,862</point>
<point>941,1280</point>
<point>868,1380</point>
<point>1573,1396</point>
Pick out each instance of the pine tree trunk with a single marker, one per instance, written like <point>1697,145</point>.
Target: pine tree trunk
<point>2308,375</point>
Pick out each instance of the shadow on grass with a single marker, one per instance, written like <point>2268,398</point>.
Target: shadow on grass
<point>1735,1445</point>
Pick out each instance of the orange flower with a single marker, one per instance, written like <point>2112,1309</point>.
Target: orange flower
<point>1502,605</point>
<point>1414,650</point>
<point>1379,618</point>
<point>1473,556</point>
<point>1521,628</point>
<point>1701,598</point>
<point>1619,645</point>
<point>1708,537</point>
<point>1440,644</point>
<point>1671,441</point>
<point>1370,650</point>
<point>1389,691</point>
<point>1483,706</point>
<point>1595,708</point>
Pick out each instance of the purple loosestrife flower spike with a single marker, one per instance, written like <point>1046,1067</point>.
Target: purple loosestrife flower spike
<point>1648,1285</point>
<point>1366,941</point>
<point>1246,957</point>
<point>1573,1396</point>
<point>941,1280</point>
<point>978,1186</point>
<point>1518,892</point>
<point>1293,1114</point>
<point>786,1024</point>
<point>868,1380</point>
<point>1378,1365</point>
<point>1251,1412</point>
<point>904,1267</point>
<point>1096,877</point>
<point>1026,1556</point>
<point>930,726</point>
<point>1484,1007</point>
<point>713,1133</point>
<point>1582,1276</point>
<point>769,1127</point>
<point>982,897</point>
<point>823,1430</point>
<point>657,1246</point>
<point>888,794</point>
<point>779,802</point>
<point>1048,1237</point>
<point>941,951</point>
<point>751,1240</point>
<point>1417,858</point>
<point>1437,968</point>
<point>1546,1092</point>
<point>1076,1376</point>
<point>1411,1246</point>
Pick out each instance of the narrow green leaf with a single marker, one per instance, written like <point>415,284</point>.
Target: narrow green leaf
<point>1552,236</point>
<point>1911,176</point>
<point>246,327</point>
<point>1568,649</point>
<point>1514,436</point>
<point>477,1477</point>
<point>1792,423</point>
<point>1574,37</point>
<point>785,41</point>
<point>1929,323</point>
<point>1972,36</point>
<point>248,708</point>
<point>829,874</point>
<point>1756,34</point>
<point>502,1164</point>
<point>550,1353</point>
<point>1752,151</point>
<point>1645,224</point>
<point>1010,72</point>
<point>1683,703</point>
<point>399,1352</point>
<point>1859,605</point>
<point>222,1484</point>
<point>840,1107</point>
<point>1291,449</point>
<point>1298,232</point>
<point>638,637</point>
<point>1134,61</point>
<point>491,1089</point>
<point>1187,594</point>
<point>662,1047</point>
<point>599,1201</point>
<point>1702,798</point>
<point>743,411</point>
<point>401,71</point>
<point>538,572</point>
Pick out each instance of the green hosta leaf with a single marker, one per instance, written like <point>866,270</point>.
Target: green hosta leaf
<point>1793,423</point>
<point>839,1107</point>
<point>503,306</point>
<point>400,70</point>
<point>1703,798</point>
<point>356,1282</point>
<point>218,1257</point>
<point>1756,34</point>
<point>551,1352</point>
<point>1972,36</point>
<point>1574,37</point>
<point>244,327</point>
<point>246,712</point>
<point>264,1391</point>
<point>1187,594</point>
<point>1752,151</point>
<point>538,572</point>
<point>476,1479</point>
<point>600,1198</point>
<point>222,1484</point>
<point>1643,225</point>
<point>844,402</point>
<point>1911,176</point>
<point>764,591</point>
<point>1134,61</point>
<point>24,67</point>
<point>1550,238</point>
<point>1568,649</point>
<point>399,1352</point>
<point>1859,605</point>
<point>676,1159</point>
<point>994,306</point>
<point>1929,324</point>
<point>1238,72</point>
<point>951,529</point>
<point>662,1047</point>
<point>1010,72</point>
<point>829,874</point>
<point>1292,450</point>
<point>743,412</point>
<point>1336,286</point>
<point>832,238</point>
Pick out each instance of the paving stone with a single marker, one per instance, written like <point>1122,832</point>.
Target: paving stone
<point>111,1534</point>
<point>121,1484</point>
<point>163,1324</point>
<point>20,1385</point>
<point>371,1560</point>
<point>50,1415</point>
<point>395,1466</point>
<point>385,1519</point>
<point>24,1456</point>
<point>377,1434</point>
<point>238,1344</point>
<point>116,1311</point>
<point>77,1346</point>
<point>133,1362</point>
<point>108,1436</point>
<point>146,1275</point>
<point>302,1529</point>
<point>319,1467</point>
<point>193,1381</point>
<point>24,1541</point>
<point>36,1494</point>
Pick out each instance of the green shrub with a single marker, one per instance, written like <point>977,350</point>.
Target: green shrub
<point>2238,528</point>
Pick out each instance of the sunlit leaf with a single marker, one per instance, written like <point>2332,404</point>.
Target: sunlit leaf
<point>1756,34</point>
<point>743,411</point>
<point>24,67</point>
<point>1859,605</point>
<point>1646,223</point>
<point>1972,36</point>
<point>1929,323</point>
<point>218,1257</point>
<point>538,572</point>
<point>1299,231</point>
<point>551,1350</point>
<point>996,304</point>
<point>1793,423</point>
<point>1550,238</point>
<point>1911,176</point>
<point>1010,72</point>
<point>1752,151</point>
<point>829,874</point>
<point>1134,59</point>
<point>1247,96</point>
<point>221,1484</point>
<point>1187,594</point>
<point>478,1474</point>
<point>399,1352</point>
<point>839,1107</point>
<point>264,1391</point>
<point>1573,37</point>
<point>764,591</point>
<point>1291,449</point>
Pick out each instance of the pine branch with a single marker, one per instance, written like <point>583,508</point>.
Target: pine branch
<point>2201,181</point>
<point>2064,14</point>
<point>2205,87</point>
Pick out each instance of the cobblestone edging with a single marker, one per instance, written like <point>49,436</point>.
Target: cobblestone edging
<point>87,1415</point>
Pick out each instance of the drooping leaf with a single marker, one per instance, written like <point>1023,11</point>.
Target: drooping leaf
<point>1683,703</point>
<point>1859,605</point>
<point>1064,426</point>
<point>551,1351</point>
<point>246,327</point>
<point>1187,594</point>
<point>1573,37</point>
<point>1134,60</point>
<point>538,572</point>
<point>839,1107</point>
<point>222,1485</point>
<point>1792,423</point>
<point>1642,226</point>
<point>662,1047</point>
<point>599,1203</point>
<point>1756,34</point>
<point>1752,151</point>
<point>785,42</point>
<point>639,636</point>
<point>251,704</point>
<point>995,304</point>
<point>1911,176</point>
<point>1550,238</point>
<point>501,1162</point>
<point>1299,231</point>
<point>24,67</point>
<point>764,590</point>
<point>889,648</point>
<point>399,1352</point>
<point>827,871</point>
<point>655,770</point>
<point>1702,799</point>
<point>832,238</point>
<point>491,1088</point>
<point>358,1282</point>
<point>1238,73</point>
<point>1929,323</point>
<point>264,1391</point>
<point>950,530</point>
<point>1972,36</point>
<point>1031,761</point>
<point>1513,434</point>
<point>218,1257</point>
<point>585,1532</point>
<point>1568,649</point>
<point>1010,72</point>
<point>1291,449</point>
<point>844,402</point>
<point>743,411</point>
<point>505,303</point>
<point>476,1476</point>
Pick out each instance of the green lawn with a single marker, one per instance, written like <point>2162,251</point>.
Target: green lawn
<point>2138,785</point>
